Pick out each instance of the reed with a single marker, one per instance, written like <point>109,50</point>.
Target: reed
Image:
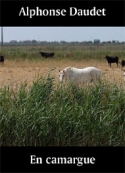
<point>67,115</point>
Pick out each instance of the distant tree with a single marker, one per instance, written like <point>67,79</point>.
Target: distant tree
<point>108,42</point>
<point>113,41</point>
<point>34,42</point>
<point>96,41</point>
<point>13,41</point>
<point>62,42</point>
<point>88,42</point>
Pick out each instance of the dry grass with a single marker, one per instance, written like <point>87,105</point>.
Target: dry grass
<point>14,73</point>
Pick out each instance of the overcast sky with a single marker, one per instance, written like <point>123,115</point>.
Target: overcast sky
<point>63,33</point>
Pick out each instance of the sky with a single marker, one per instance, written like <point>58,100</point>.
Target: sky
<point>67,34</point>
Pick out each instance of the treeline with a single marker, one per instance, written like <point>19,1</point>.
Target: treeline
<point>55,43</point>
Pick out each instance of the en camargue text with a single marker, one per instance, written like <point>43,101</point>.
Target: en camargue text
<point>79,161</point>
<point>73,11</point>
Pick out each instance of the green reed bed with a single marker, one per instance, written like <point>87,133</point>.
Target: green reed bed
<point>62,115</point>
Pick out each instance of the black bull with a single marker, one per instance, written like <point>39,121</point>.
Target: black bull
<point>47,55</point>
<point>1,58</point>
<point>112,60</point>
<point>122,63</point>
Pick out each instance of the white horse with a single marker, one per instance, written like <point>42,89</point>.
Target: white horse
<point>75,75</point>
<point>124,76</point>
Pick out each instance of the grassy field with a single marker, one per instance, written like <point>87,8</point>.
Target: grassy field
<point>36,110</point>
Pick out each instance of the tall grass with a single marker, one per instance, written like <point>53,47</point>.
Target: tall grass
<point>66,115</point>
<point>61,52</point>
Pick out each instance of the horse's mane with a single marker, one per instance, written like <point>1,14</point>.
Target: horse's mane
<point>69,68</point>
